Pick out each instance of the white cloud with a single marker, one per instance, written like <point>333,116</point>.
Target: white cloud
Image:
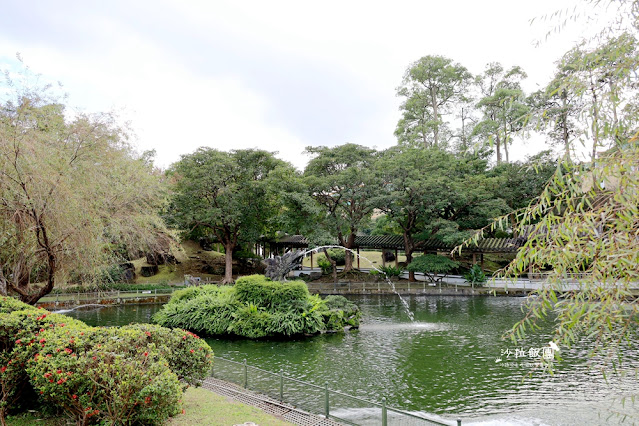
<point>183,74</point>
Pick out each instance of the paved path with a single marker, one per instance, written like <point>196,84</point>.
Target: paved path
<point>268,405</point>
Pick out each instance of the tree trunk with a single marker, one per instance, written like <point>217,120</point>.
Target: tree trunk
<point>3,284</point>
<point>348,261</point>
<point>498,148</point>
<point>228,263</point>
<point>348,255</point>
<point>506,149</point>
<point>409,247</point>
<point>433,99</point>
<point>333,264</point>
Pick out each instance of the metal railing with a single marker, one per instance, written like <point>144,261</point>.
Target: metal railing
<point>314,398</point>
<point>79,297</point>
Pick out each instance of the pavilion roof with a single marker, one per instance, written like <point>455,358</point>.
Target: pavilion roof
<point>396,242</point>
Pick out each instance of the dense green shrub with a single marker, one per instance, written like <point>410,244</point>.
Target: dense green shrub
<point>118,375</point>
<point>209,313</point>
<point>475,276</point>
<point>338,255</point>
<point>390,271</point>
<point>324,265</point>
<point>256,307</point>
<point>104,373</point>
<point>432,266</point>
<point>340,311</point>
<point>22,325</point>
<point>189,357</point>
<point>258,290</point>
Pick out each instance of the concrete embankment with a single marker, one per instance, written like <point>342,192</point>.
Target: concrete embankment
<point>406,288</point>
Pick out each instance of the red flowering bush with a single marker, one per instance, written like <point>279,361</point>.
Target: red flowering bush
<point>118,375</point>
<point>190,357</point>
<point>99,374</point>
<point>20,339</point>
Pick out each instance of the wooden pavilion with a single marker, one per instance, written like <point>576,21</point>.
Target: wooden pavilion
<point>395,243</point>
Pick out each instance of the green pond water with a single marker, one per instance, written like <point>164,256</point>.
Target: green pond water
<point>443,365</point>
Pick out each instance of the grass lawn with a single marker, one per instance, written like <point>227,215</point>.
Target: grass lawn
<point>367,259</point>
<point>201,407</point>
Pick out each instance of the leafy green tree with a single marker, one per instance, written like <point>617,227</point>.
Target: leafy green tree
<point>504,107</point>
<point>603,78</point>
<point>589,234</point>
<point>432,193</point>
<point>433,266</point>
<point>431,87</point>
<point>342,182</point>
<point>558,110</point>
<point>71,189</point>
<point>225,194</point>
<point>523,182</point>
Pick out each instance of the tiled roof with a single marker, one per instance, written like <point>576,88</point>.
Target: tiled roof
<point>396,242</point>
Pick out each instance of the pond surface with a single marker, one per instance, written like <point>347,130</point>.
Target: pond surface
<point>444,364</point>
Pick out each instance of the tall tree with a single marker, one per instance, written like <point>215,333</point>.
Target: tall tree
<point>225,194</point>
<point>505,111</point>
<point>431,193</point>
<point>431,87</point>
<point>342,182</point>
<point>557,110</point>
<point>604,78</point>
<point>70,191</point>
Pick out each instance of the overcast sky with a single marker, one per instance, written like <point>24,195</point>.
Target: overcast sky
<point>271,74</point>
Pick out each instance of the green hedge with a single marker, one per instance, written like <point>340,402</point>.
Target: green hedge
<point>117,375</point>
<point>257,307</point>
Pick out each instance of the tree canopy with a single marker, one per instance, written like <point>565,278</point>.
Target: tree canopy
<point>73,193</point>
<point>224,194</point>
<point>342,182</point>
<point>431,88</point>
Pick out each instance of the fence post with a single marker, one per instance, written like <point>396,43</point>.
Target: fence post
<point>326,404</point>
<point>458,422</point>
<point>245,374</point>
<point>384,418</point>
<point>281,385</point>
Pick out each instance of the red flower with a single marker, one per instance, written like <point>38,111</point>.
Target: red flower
<point>74,396</point>
<point>59,371</point>
<point>67,350</point>
<point>18,341</point>
<point>61,381</point>
<point>192,351</point>
<point>3,369</point>
<point>94,358</point>
<point>147,333</point>
<point>47,375</point>
<point>146,354</point>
